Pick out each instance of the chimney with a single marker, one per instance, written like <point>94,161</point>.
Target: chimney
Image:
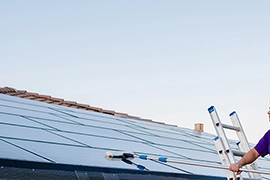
<point>199,127</point>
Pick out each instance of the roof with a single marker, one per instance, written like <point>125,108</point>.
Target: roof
<point>53,100</point>
<point>41,137</point>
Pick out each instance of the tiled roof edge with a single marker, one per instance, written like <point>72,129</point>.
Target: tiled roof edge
<point>52,100</point>
<point>7,90</point>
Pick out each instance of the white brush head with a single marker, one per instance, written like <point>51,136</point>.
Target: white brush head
<point>111,155</point>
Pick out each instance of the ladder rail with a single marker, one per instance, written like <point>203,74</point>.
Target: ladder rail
<point>218,126</point>
<point>243,144</point>
<point>222,144</point>
<point>225,159</point>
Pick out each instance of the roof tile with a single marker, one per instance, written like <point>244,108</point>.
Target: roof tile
<point>121,114</point>
<point>94,109</point>
<point>21,91</point>
<point>108,112</point>
<point>56,99</point>
<point>52,100</point>
<point>7,90</point>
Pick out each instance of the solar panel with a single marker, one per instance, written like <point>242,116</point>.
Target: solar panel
<point>40,132</point>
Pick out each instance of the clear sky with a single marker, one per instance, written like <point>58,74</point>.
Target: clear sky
<point>162,60</point>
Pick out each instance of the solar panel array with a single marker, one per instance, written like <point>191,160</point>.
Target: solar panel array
<point>41,132</point>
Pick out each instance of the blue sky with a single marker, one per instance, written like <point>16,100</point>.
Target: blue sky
<point>162,60</point>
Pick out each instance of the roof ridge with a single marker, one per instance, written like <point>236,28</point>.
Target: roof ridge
<point>6,90</point>
<point>52,100</point>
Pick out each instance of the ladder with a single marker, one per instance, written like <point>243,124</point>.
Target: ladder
<point>226,153</point>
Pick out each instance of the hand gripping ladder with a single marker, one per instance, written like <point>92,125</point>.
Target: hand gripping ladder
<point>224,150</point>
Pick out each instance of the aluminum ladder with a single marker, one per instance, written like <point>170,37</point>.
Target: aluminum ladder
<point>226,154</point>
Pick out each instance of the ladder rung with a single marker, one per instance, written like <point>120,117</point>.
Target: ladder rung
<point>231,127</point>
<point>238,153</point>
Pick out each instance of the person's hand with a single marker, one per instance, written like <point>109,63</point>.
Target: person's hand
<point>235,168</point>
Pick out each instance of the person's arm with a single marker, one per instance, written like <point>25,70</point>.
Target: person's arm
<point>248,158</point>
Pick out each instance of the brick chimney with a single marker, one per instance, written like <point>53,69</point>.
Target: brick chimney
<point>198,127</point>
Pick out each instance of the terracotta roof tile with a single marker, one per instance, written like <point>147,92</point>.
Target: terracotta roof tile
<point>13,94</point>
<point>158,122</point>
<point>56,99</point>
<point>31,94</point>
<point>55,102</point>
<point>91,108</point>
<point>21,91</point>
<point>147,120</point>
<point>70,102</point>
<point>108,112</point>
<point>44,96</point>
<point>73,106</point>
<point>31,97</point>
<point>64,104</point>
<point>83,105</point>
<point>134,117</point>
<point>7,90</point>
<point>121,114</point>
<point>40,99</point>
<point>52,100</point>
<point>23,95</point>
